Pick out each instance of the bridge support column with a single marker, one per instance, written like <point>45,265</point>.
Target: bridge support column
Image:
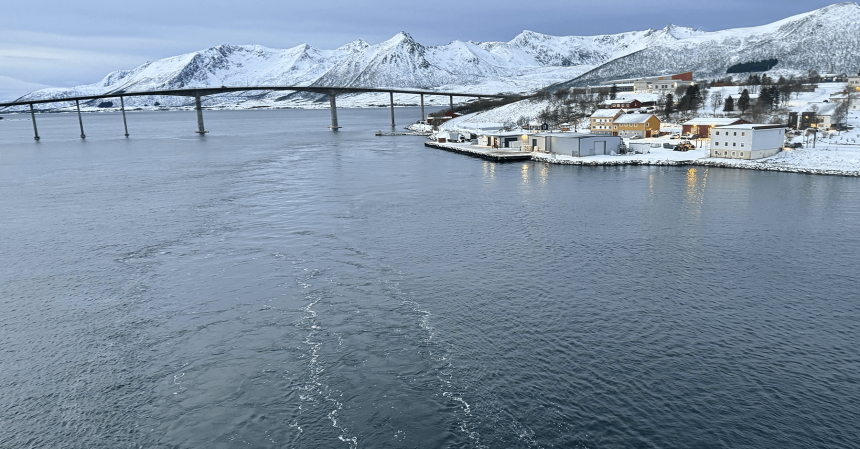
<point>124,123</point>
<point>451,101</point>
<point>33,119</point>
<point>80,120</point>
<point>423,117</point>
<point>391,102</point>
<point>200,129</point>
<point>333,103</point>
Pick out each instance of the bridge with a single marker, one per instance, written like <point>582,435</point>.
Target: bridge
<point>200,92</point>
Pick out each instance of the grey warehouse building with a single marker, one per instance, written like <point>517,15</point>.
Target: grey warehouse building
<point>575,144</point>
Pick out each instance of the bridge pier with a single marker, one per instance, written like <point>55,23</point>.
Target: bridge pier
<point>80,120</point>
<point>124,123</point>
<point>333,103</point>
<point>33,119</point>
<point>391,101</point>
<point>423,117</point>
<point>200,129</point>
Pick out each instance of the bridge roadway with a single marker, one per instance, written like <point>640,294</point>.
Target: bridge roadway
<point>199,92</point>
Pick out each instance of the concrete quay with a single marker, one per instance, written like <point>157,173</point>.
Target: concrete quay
<point>490,154</point>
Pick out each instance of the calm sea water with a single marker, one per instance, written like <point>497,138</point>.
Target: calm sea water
<point>275,284</point>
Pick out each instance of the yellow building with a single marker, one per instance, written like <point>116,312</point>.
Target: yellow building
<point>641,125</point>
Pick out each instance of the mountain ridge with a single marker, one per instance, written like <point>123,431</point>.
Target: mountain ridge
<point>818,39</point>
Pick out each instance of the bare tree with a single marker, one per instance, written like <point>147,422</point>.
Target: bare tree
<point>840,114</point>
<point>716,100</point>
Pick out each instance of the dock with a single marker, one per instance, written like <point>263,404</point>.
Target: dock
<point>490,154</point>
<point>402,133</point>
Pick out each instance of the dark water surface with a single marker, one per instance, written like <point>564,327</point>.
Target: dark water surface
<point>275,284</point>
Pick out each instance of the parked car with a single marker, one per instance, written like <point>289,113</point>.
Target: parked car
<point>668,145</point>
<point>635,137</point>
<point>675,136</point>
<point>793,145</point>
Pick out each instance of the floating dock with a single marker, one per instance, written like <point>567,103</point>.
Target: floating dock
<point>490,154</point>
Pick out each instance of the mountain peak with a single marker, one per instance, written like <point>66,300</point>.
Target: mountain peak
<point>402,37</point>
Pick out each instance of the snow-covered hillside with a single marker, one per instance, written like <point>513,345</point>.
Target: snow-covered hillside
<point>822,40</point>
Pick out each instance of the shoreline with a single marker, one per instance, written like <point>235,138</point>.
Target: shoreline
<point>759,166</point>
<point>773,163</point>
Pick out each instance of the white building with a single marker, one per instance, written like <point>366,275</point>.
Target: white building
<point>663,84</point>
<point>854,83</point>
<point>815,114</point>
<point>575,144</point>
<point>509,139</point>
<point>747,141</point>
<point>660,86</point>
<point>852,99</point>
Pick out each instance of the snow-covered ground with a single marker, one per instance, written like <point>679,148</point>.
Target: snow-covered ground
<point>836,153</point>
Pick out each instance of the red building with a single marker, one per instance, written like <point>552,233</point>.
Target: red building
<point>624,104</point>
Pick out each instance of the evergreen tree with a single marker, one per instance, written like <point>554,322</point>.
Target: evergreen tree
<point>730,105</point>
<point>774,93</point>
<point>744,101</point>
<point>765,100</point>
<point>695,94</point>
<point>612,91</point>
<point>670,100</point>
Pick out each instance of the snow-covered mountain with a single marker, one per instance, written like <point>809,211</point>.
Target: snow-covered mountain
<point>823,39</point>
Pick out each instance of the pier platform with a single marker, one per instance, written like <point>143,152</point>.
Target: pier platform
<point>490,154</point>
<point>401,133</point>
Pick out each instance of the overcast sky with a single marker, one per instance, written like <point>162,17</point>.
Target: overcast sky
<point>67,43</point>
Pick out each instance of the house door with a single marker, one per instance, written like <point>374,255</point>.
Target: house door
<point>600,147</point>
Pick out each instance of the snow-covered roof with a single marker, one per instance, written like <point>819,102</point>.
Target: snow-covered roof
<point>712,121</point>
<point>641,96</point>
<point>633,118</point>
<point>609,113</point>
<point>569,135</point>
<point>501,134</point>
<point>620,100</point>
<point>823,108</point>
<point>752,126</point>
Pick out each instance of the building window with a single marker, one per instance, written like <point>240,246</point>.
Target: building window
<point>743,134</point>
<point>716,144</point>
<point>736,133</point>
<point>742,154</point>
<point>742,144</point>
<point>733,154</point>
<point>718,133</point>
<point>734,144</point>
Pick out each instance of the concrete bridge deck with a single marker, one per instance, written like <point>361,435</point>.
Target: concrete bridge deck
<point>199,92</point>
